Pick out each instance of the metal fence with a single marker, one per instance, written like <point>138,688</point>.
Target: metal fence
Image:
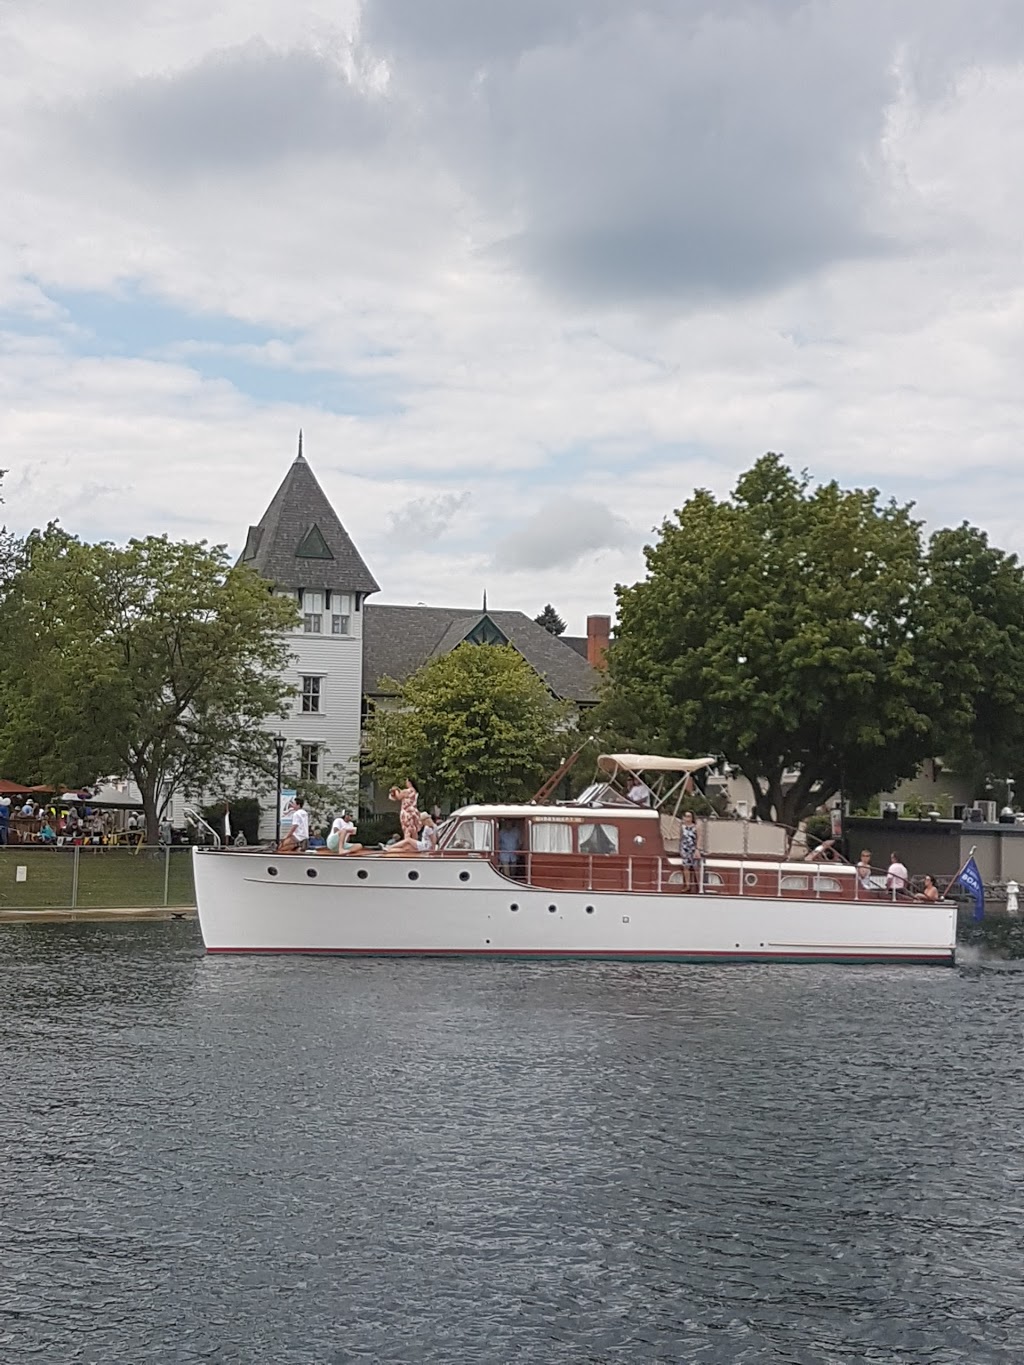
<point>95,877</point>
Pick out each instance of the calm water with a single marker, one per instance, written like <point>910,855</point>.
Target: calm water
<point>302,1160</point>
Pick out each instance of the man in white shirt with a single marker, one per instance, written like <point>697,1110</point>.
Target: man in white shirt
<point>897,877</point>
<point>341,831</point>
<point>639,793</point>
<point>300,826</point>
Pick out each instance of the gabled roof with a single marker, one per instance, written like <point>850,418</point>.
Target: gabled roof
<point>399,640</point>
<point>300,543</point>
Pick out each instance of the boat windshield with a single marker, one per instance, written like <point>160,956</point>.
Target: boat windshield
<point>474,834</point>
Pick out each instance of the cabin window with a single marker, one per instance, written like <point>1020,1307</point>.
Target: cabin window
<point>599,839</point>
<point>473,834</point>
<point>551,836</point>
<point>826,884</point>
<point>793,884</point>
<point>710,879</point>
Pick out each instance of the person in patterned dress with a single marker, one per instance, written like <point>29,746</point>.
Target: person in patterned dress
<point>408,815</point>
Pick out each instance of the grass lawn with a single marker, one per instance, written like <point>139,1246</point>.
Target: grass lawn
<point>108,878</point>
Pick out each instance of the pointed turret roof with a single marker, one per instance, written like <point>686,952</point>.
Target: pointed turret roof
<point>300,542</point>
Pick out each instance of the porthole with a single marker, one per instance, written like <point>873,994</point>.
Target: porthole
<point>414,876</point>
<point>590,909</point>
<point>513,906</point>
<point>362,874</point>
<point>463,876</point>
<point>271,871</point>
<point>750,879</point>
<point>552,909</point>
<point>310,871</point>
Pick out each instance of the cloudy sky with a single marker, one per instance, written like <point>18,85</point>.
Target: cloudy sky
<point>524,271</point>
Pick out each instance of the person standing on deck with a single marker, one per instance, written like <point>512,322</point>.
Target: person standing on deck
<point>300,826</point>
<point>408,815</point>
<point>897,877</point>
<point>689,849</point>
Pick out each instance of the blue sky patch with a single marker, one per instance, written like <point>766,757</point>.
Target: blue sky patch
<point>133,324</point>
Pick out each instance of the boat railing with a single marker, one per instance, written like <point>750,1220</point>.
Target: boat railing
<point>662,873</point>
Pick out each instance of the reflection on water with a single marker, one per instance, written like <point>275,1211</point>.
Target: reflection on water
<point>310,1161</point>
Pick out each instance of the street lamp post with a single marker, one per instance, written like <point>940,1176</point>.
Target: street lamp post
<point>279,743</point>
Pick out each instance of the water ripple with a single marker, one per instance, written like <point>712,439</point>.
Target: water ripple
<point>307,1162</point>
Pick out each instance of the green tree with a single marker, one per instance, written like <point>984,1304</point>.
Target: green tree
<point>9,548</point>
<point>779,628</point>
<point>473,725</point>
<point>156,660</point>
<point>974,636</point>
<point>550,620</point>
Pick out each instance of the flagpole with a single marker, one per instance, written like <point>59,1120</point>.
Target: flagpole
<point>959,870</point>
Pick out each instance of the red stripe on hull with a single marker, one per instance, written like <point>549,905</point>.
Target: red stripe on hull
<point>944,959</point>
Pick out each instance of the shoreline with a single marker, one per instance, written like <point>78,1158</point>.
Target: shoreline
<point>96,914</point>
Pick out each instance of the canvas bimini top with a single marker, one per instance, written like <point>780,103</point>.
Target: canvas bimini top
<point>652,763</point>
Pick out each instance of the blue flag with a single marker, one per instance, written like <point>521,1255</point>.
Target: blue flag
<point>970,880</point>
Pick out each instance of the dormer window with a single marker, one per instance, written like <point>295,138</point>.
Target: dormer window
<point>313,612</point>
<point>341,613</point>
<point>313,546</point>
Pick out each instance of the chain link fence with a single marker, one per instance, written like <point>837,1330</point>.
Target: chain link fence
<point>95,877</point>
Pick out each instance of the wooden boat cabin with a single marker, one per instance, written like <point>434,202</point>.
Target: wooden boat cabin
<point>624,848</point>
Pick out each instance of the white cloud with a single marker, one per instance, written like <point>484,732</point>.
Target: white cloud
<point>579,255</point>
<point>559,535</point>
<point>424,520</point>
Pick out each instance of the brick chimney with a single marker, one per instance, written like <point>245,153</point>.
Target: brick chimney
<point>598,630</point>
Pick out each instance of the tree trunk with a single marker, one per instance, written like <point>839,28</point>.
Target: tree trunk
<point>798,802</point>
<point>147,790</point>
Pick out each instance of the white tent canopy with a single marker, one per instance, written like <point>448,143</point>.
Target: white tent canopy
<point>652,763</point>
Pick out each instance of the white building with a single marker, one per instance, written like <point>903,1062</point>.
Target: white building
<point>301,547</point>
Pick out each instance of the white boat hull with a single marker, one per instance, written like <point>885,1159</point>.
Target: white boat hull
<point>462,906</point>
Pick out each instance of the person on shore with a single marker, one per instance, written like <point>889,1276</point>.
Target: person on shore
<point>930,892</point>
<point>689,849</point>
<point>897,877</point>
<point>5,819</point>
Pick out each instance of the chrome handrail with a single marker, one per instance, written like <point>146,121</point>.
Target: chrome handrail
<point>194,818</point>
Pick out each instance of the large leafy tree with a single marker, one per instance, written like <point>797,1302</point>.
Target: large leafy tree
<point>780,627</point>
<point>974,638</point>
<point>477,724</point>
<point>156,660</point>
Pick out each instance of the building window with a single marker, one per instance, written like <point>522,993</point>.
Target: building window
<point>311,694</point>
<point>341,613</point>
<point>312,612</point>
<point>309,762</point>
